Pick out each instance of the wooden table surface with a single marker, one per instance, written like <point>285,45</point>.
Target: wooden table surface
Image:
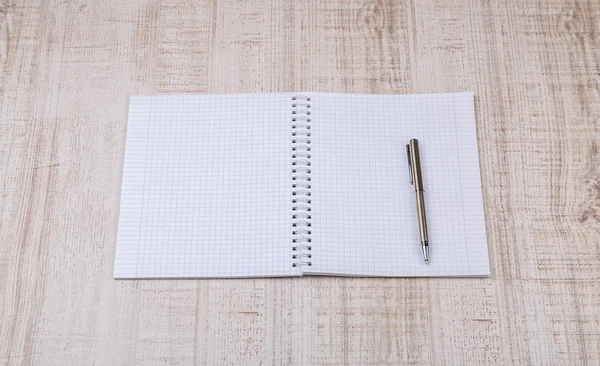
<point>67,69</point>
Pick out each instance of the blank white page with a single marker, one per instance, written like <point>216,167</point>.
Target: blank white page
<point>364,215</point>
<point>206,188</point>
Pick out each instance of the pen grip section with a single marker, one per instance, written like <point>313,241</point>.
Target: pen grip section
<point>421,215</point>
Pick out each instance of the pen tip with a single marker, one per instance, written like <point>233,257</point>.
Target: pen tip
<point>426,261</point>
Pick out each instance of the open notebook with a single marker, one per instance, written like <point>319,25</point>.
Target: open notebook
<point>291,184</point>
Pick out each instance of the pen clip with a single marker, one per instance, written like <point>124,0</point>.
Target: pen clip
<point>410,171</point>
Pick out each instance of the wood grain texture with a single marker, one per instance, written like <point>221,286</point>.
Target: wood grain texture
<point>67,69</point>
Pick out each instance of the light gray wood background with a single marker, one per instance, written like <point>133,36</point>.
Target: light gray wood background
<point>67,69</point>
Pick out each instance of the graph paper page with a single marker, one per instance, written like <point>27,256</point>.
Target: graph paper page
<point>364,215</point>
<point>206,188</point>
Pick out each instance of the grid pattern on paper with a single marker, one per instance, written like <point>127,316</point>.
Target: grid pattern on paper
<point>364,215</point>
<point>206,188</point>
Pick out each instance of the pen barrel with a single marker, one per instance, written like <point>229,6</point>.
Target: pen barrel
<point>422,218</point>
<point>414,158</point>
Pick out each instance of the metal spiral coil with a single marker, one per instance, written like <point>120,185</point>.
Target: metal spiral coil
<point>301,181</point>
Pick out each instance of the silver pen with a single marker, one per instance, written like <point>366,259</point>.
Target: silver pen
<point>416,179</point>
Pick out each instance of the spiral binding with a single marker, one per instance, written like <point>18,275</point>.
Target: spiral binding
<point>301,182</point>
